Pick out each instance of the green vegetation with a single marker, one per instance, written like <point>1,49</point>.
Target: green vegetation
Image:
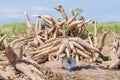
<point>20,28</point>
<point>13,28</point>
<point>110,26</point>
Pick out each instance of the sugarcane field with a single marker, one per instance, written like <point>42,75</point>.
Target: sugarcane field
<point>52,49</point>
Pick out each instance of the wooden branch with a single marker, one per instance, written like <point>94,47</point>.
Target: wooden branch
<point>48,19</point>
<point>4,75</point>
<point>61,49</point>
<point>49,44</point>
<point>68,51</point>
<point>46,34</point>
<point>29,71</point>
<point>95,34</point>
<point>39,40</point>
<point>72,13</point>
<point>82,53</point>
<point>60,9</point>
<point>19,52</point>
<point>37,26</point>
<point>27,19</point>
<point>31,30</point>
<point>72,25</point>
<point>72,47</point>
<point>4,63</point>
<point>51,30</point>
<point>114,63</point>
<point>90,41</point>
<point>88,46</point>
<point>83,27</point>
<point>3,57</point>
<point>2,38</point>
<point>96,56</point>
<point>30,61</point>
<point>100,46</point>
<point>77,45</point>
<point>61,23</point>
<point>21,39</point>
<point>11,56</point>
<point>45,53</point>
<point>72,19</point>
<point>83,43</point>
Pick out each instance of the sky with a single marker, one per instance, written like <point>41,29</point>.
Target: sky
<point>98,10</point>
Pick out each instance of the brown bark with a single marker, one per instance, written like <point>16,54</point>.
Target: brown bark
<point>60,9</point>
<point>100,46</point>
<point>2,38</point>
<point>31,30</point>
<point>29,71</point>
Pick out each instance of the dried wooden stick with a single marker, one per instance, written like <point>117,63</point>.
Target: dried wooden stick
<point>2,38</point>
<point>77,57</point>
<point>11,56</point>
<point>72,19</point>
<point>72,13</point>
<point>19,52</point>
<point>66,42</point>
<point>22,39</point>
<point>27,70</point>
<point>37,26</point>
<point>3,57</point>
<point>46,34</point>
<point>82,53</point>
<point>83,43</point>
<point>39,40</point>
<point>45,53</point>
<point>72,26</point>
<point>83,27</point>
<point>88,46</point>
<point>51,30</point>
<point>115,63</point>
<point>61,23</point>
<point>27,19</point>
<point>30,61</point>
<point>49,44</point>
<point>100,46</point>
<point>90,41</point>
<point>4,75</point>
<point>95,34</point>
<point>61,49</point>
<point>77,45</point>
<point>60,9</point>
<point>72,47</point>
<point>39,75</point>
<point>31,30</point>
<point>4,63</point>
<point>96,56</point>
<point>67,52</point>
<point>50,40</point>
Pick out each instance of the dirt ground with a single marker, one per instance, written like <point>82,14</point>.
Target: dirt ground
<point>84,71</point>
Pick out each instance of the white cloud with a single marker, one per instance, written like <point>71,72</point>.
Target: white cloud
<point>10,12</point>
<point>39,8</point>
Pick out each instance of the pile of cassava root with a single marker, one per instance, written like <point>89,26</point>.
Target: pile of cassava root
<point>50,39</point>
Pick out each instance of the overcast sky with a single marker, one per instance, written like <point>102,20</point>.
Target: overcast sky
<point>99,10</point>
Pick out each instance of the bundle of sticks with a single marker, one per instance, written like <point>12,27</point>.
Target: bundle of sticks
<point>15,66</point>
<point>67,36</point>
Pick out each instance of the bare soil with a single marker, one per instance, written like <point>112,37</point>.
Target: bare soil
<point>84,71</point>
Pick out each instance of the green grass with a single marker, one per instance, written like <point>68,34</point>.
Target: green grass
<point>110,26</point>
<point>13,28</point>
<point>20,28</point>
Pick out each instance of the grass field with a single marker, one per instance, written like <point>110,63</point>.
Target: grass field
<point>20,28</point>
<point>110,26</point>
